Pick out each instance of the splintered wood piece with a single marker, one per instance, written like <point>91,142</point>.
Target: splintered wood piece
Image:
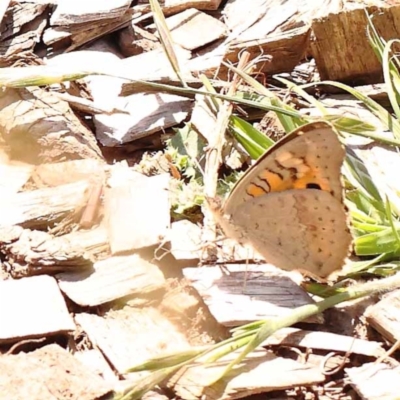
<point>185,238</point>
<point>259,372</point>
<point>55,174</point>
<point>138,212</point>
<point>192,29</point>
<point>384,316</point>
<point>23,24</point>
<point>131,336</point>
<point>55,133</point>
<point>240,294</point>
<point>69,14</point>
<point>35,252</point>
<point>375,381</point>
<point>39,208</point>
<point>350,57</point>
<point>49,373</point>
<point>158,111</point>
<point>32,307</point>
<point>111,279</point>
<point>13,177</point>
<point>324,341</point>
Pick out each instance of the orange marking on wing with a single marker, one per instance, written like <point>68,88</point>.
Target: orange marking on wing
<point>255,191</point>
<point>301,183</point>
<point>275,182</point>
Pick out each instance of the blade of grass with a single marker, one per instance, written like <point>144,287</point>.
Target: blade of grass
<point>307,311</point>
<point>166,39</point>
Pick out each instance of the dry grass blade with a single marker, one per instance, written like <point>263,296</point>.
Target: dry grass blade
<point>166,39</point>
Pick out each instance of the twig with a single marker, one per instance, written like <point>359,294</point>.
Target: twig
<point>213,156</point>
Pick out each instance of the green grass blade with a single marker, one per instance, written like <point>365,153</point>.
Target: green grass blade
<point>253,141</point>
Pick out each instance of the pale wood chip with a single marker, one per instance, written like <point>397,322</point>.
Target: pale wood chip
<point>131,336</point>
<point>239,294</point>
<point>111,279</point>
<point>50,373</point>
<point>375,381</point>
<point>260,372</point>
<point>32,307</point>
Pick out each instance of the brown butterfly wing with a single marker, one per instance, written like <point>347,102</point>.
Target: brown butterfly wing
<point>297,229</point>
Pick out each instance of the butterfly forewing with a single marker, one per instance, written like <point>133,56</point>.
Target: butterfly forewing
<point>310,157</point>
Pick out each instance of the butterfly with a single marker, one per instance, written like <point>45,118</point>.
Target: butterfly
<point>289,205</point>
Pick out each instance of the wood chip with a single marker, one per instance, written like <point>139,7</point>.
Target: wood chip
<point>384,316</point>
<point>192,29</point>
<point>375,381</point>
<point>68,14</point>
<point>50,373</point>
<point>324,341</point>
<point>131,336</point>
<point>39,208</point>
<point>158,111</point>
<point>56,133</point>
<point>55,174</point>
<point>240,294</point>
<point>138,212</point>
<point>111,279</point>
<point>260,372</point>
<point>32,307</point>
<point>35,252</point>
<point>350,57</point>
<point>185,238</point>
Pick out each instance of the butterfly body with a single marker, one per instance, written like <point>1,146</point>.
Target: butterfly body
<point>289,205</point>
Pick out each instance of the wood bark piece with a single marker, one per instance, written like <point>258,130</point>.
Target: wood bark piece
<point>32,307</point>
<point>50,373</point>
<point>94,242</point>
<point>70,37</point>
<point>22,28</point>
<point>55,174</point>
<point>131,336</point>
<point>69,14</point>
<point>384,316</point>
<point>283,36</point>
<point>111,279</point>
<point>40,128</point>
<point>324,341</point>
<point>157,112</point>
<point>375,381</point>
<point>349,57</point>
<point>39,208</point>
<point>138,212</point>
<point>240,294</point>
<point>134,40</point>
<point>260,372</point>
<point>192,29</point>
<point>35,252</point>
